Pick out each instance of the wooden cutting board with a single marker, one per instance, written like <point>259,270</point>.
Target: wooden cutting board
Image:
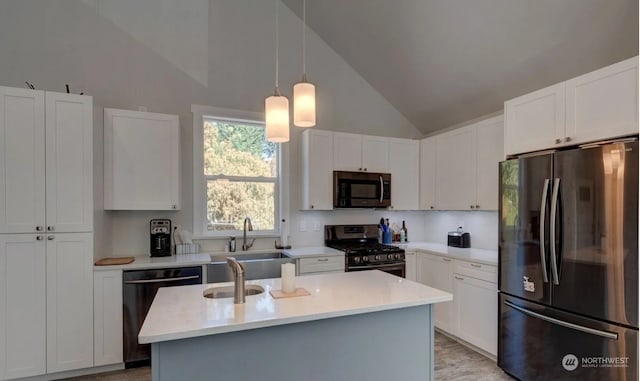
<point>278,294</point>
<point>114,261</point>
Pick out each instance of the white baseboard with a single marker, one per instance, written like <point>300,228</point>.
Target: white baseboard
<point>74,373</point>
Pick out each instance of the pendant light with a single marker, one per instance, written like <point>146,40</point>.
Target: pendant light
<point>304,93</point>
<point>276,107</point>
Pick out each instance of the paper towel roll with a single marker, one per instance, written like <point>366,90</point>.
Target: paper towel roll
<point>288,277</point>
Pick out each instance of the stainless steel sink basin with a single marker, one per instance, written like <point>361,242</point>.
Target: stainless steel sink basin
<point>227,291</point>
<point>256,266</point>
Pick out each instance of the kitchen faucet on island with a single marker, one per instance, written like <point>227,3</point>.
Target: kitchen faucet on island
<point>247,223</point>
<point>238,284</point>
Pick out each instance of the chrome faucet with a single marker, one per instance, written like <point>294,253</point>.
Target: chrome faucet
<point>246,246</point>
<point>238,283</point>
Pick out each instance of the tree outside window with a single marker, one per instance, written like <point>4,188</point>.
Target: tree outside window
<point>241,176</point>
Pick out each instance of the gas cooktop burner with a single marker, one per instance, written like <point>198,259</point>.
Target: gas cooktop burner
<point>369,248</point>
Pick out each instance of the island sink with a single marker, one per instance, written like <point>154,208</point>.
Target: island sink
<point>227,291</point>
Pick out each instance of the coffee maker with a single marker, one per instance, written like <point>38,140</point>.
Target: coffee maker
<point>160,237</point>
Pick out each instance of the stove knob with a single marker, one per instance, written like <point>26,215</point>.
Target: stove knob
<point>397,256</point>
<point>365,258</point>
<point>356,259</point>
<point>390,256</point>
<point>377,257</point>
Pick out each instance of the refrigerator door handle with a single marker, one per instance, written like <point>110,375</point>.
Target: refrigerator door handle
<point>543,211</point>
<point>552,230</point>
<point>581,328</point>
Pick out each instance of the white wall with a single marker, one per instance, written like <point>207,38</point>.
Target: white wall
<point>93,46</point>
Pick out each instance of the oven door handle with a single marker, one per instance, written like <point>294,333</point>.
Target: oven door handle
<point>378,267</point>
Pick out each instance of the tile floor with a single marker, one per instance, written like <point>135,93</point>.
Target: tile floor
<point>453,362</point>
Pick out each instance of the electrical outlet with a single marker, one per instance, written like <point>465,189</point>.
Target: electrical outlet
<point>303,225</point>
<point>316,226</point>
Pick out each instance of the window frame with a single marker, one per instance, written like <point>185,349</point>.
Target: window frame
<point>200,115</point>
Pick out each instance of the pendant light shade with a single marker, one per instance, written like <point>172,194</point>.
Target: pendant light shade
<point>304,104</point>
<point>277,118</point>
<point>276,107</point>
<point>304,93</point>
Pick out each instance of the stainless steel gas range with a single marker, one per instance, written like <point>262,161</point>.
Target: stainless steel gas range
<point>362,250</point>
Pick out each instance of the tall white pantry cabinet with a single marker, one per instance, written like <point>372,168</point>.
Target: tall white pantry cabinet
<point>46,232</point>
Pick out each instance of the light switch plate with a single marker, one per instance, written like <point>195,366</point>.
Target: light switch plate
<point>303,225</point>
<point>316,226</point>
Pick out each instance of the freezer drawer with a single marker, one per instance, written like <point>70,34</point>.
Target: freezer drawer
<point>541,343</point>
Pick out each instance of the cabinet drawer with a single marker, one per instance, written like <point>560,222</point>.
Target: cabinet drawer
<point>321,264</point>
<point>482,271</point>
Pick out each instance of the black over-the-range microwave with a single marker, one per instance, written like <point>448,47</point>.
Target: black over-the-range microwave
<point>361,189</point>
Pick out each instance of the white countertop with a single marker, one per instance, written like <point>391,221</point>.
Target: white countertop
<point>313,251</point>
<point>489,257</point>
<point>182,312</point>
<point>147,262</point>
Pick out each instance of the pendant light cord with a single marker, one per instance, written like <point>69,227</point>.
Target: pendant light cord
<point>277,49</point>
<point>304,39</point>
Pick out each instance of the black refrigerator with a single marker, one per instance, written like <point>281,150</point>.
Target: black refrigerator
<point>568,269</point>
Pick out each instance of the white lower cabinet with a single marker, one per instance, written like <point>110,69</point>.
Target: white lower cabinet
<point>46,303</point>
<point>475,305</point>
<point>315,265</point>
<point>437,272</point>
<point>107,314</point>
<point>473,314</point>
<point>411,266</point>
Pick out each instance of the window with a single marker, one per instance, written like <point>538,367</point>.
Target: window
<point>238,173</point>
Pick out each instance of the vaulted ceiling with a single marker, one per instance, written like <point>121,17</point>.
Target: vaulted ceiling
<point>443,62</point>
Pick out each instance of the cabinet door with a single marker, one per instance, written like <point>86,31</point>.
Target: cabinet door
<point>375,154</point>
<point>404,159</point>
<point>456,175</point>
<point>437,272</point>
<point>535,121</point>
<point>317,170</point>
<point>603,104</point>
<point>69,164</point>
<point>107,315</point>
<point>476,307</point>
<point>141,160</point>
<point>411,266</point>
<point>22,181</point>
<point>347,152</point>
<point>22,306</point>
<point>428,174</point>
<point>69,301</point>
<point>489,153</point>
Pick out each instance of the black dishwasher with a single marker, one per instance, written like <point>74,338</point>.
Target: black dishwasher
<point>138,290</point>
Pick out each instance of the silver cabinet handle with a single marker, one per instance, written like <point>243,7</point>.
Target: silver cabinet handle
<point>476,266</point>
<point>431,207</point>
<point>323,259</point>
<point>567,139</point>
<point>381,188</point>
<point>458,278</point>
<point>161,280</point>
<point>50,228</point>
<point>543,212</point>
<point>174,206</point>
<point>365,169</point>
<point>51,237</point>
<point>312,206</point>
<point>38,228</point>
<point>39,238</point>
<point>558,141</point>
<point>552,228</point>
<point>477,206</point>
<point>608,335</point>
<point>471,206</point>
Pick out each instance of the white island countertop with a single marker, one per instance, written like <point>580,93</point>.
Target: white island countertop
<point>182,312</point>
<point>146,262</point>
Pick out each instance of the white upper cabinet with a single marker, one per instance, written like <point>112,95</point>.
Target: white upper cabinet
<point>428,174</point>
<point>22,154</point>
<point>489,153</point>
<point>46,146</point>
<point>535,121</point>
<point>456,170</point>
<point>141,160</point>
<point>347,152</point>
<point>317,170</point>
<point>596,106</point>
<point>375,154</point>
<point>352,152</point>
<point>603,104</point>
<point>69,162</point>
<point>404,160</point>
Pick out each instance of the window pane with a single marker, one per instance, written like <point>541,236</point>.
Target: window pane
<point>238,150</point>
<point>229,202</point>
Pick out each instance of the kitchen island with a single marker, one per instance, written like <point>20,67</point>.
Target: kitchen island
<point>366,325</point>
